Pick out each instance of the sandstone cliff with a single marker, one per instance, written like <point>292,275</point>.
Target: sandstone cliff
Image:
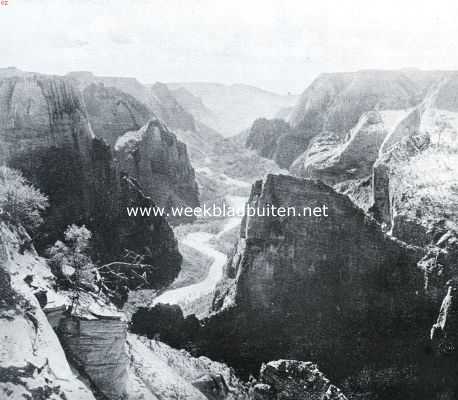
<point>45,132</point>
<point>97,347</point>
<point>160,163</point>
<point>398,160</point>
<point>112,112</point>
<point>331,289</point>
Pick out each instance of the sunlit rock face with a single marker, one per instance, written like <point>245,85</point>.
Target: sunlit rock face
<point>332,106</point>
<point>394,154</point>
<point>159,371</point>
<point>33,364</point>
<point>39,112</point>
<point>160,163</point>
<point>98,348</point>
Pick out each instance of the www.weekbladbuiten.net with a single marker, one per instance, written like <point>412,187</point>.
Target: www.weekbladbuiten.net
<point>268,210</point>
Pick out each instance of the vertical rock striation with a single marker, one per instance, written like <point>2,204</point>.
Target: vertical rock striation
<point>45,132</point>
<point>331,289</point>
<point>98,348</point>
<point>160,164</point>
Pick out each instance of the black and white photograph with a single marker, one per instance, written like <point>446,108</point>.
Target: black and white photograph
<point>228,200</point>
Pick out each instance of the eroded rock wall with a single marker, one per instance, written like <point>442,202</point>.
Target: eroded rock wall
<point>332,289</point>
<point>160,163</point>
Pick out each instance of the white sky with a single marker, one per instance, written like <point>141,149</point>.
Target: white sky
<point>278,45</point>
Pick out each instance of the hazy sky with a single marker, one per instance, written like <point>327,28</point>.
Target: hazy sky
<point>278,45</point>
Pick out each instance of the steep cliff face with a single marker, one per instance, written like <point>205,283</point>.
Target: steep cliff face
<point>39,112</point>
<point>335,290</point>
<point>45,133</point>
<point>118,106</point>
<point>335,102</point>
<point>160,163</point>
<point>112,112</point>
<point>332,106</point>
<point>385,162</point>
<point>414,178</point>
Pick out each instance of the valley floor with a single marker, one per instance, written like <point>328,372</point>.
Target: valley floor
<point>206,243</point>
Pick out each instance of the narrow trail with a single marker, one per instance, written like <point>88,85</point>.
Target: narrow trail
<point>200,241</point>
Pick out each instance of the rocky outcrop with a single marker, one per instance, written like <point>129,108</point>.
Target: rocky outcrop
<point>352,159</point>
<point>45,132</point>
<point>166,373</point>
<point>160,164</point>
<point>294,380</point>
<point>97,347</point>
<point>389,195</point>
<point>445,330</point>
<point>324,288</point>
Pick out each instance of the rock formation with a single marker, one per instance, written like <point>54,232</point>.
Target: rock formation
<point>166,373</point>
<point>333,162</point>
<point>334,289</point>
<point>98,348</point>
<point>160,164</point>
<point>332,106</point>
<point>294,380</point>
<point>45,132</point>
<point>112,112</point>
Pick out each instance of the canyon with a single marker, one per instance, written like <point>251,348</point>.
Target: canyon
<point>359,303</point>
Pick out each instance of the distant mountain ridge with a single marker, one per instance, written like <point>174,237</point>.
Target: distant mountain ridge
<point>331,106</point>
<point>235,106</point>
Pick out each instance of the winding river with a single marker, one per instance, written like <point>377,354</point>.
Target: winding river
<point>200,241</point>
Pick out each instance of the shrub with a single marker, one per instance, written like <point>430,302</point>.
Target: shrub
<point>69,260</point>
<point>20,202</point>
